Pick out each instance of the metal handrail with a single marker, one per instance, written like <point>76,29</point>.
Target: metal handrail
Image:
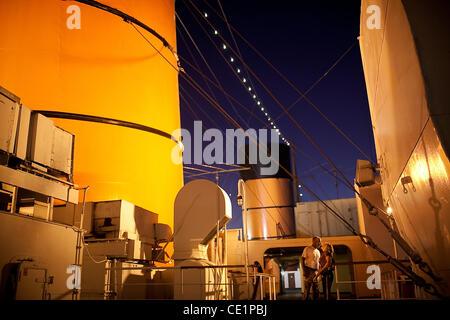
<point>112,292</point>
<point>272,284</point>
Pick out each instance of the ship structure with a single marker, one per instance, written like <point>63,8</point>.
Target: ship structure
<point>406,72</point>
<point>93,207</point>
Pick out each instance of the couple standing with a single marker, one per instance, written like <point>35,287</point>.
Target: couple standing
<point>317,261</point>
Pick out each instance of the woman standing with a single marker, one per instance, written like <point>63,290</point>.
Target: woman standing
<point>327,266</point>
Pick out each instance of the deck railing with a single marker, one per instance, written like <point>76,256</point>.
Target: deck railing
<point>234,278</point>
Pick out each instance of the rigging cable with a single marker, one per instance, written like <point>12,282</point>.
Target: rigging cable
<point>195,61</point>
<point>224,92</point>
<point>372,209</point>
<point>251,168</point>
<point>320,79</point>
<point>205,77</point>
<point>367,240</point>
<point>286,80</point>
<point>346,182</point>
<point>430,288</point>
<point>238,126</point>
<point>209,67</point>
<point>227,116</point>
<point>198,107</point>
<point>305,133</point>
<point>282,107</point>
<point>234,72</point>
<point>265,124</point>
<point>235,43</point>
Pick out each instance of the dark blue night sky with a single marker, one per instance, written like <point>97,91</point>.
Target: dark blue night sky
<point>302,39</point>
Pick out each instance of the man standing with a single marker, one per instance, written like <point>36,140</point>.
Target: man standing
<point>310,264</point>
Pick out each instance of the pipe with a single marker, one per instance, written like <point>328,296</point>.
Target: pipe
<point>89,118</point>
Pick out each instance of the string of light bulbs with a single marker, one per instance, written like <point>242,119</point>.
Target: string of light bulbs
<point>252,93</point>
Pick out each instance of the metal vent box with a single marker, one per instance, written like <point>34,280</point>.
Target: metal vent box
<point>9,115</point>
<point>49,145</point>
